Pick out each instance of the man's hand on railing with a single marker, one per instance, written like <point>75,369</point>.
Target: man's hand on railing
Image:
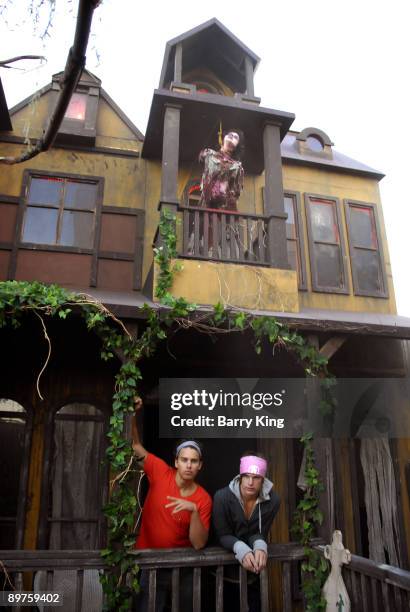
<point>261,559</point>
<point>249,563</point>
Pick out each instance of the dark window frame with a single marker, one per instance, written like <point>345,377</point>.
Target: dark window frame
<point>300,239</point>
<point>344,289</point>
<point>28,175</point>
<point>20,521</point>
<point>383,293</point>
<point>77,130</point>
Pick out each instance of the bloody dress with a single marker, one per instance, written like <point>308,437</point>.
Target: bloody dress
<point>222,180</point>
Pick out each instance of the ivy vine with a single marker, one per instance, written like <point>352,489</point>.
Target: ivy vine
<point>51,300</point>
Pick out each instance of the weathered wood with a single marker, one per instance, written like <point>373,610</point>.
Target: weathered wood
<point>79,590</point>
<point>356,593</point>
<point>49,583</point>
<point>175,589</point>
<point>243,590</point>
<point>261,241</point>
<point>286,586</point>
<point>375,598</point>
<point>152,592</point>
<point>364,591</point>
<point>197,590</point>
<point>219,589</point>
<point>186,228</point>
<point>386,598</point>
<point>224,246</point>
<point>205,217</point>
<point>196,232</point>
<point>332,346</point>
<point>240,237</point>
<point>215,235</point>
<point>264,587</point>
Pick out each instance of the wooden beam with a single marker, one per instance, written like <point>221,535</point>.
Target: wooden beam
<point>332,346</point>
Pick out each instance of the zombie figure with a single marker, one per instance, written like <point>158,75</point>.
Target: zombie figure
<point>222,179</point>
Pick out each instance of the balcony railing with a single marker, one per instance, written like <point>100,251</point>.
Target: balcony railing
<point>375,587</point>
<point>372,587</point>
<point>225,235</point>
<point>78,572</point>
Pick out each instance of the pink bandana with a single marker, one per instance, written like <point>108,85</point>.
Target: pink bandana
<point>253,465</point>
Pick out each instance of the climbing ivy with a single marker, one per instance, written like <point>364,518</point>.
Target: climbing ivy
<point>16,298</point>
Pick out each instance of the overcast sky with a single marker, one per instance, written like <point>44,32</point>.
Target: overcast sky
<point>340,66</point>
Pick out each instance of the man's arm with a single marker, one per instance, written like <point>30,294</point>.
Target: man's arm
<point>137,447</point>
<point>225,532</point>
<point>198,534</point>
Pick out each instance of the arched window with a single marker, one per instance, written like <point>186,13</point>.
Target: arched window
<point>14,444</point>
<point>76,479</point>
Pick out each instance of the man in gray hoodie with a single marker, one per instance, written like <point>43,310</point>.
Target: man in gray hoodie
<point>242,515</point>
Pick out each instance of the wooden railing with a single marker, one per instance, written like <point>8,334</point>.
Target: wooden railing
<point>205,563</point>
<point>375,587</point>
<point>225,235</point>
<point>372,587</point>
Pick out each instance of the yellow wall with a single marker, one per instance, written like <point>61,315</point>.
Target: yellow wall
<point>124,176</point>
<point>252,287</point>
<point>343,186</point>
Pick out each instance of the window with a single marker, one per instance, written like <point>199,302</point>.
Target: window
<point>76,108</point>
<point>60,211</point>
<point>365,250</point>
<point>326,245</point>
<point>294,237</point>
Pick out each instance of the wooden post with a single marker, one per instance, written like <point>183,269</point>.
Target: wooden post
<point>170,155</point>
<point>273,200</point>
<point>178,63</point>
<point>323,449</point>
<point>249,77</point>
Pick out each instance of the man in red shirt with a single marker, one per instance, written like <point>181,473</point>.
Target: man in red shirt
<point>176,511</point>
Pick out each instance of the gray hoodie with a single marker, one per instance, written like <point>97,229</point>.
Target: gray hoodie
<point>234,530</point>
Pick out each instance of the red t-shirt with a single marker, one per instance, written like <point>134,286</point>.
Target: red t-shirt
<point>160,528</point>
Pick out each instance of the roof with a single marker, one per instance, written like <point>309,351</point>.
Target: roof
<point>5,123</point>
<point>201,115</point>
<point>290,153</point>
<point>226,48</point>
<point>89,79</point>
<point>129,304</point>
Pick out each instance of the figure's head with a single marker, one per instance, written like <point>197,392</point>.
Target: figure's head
<point>233,143</point>
<point>188,459</point>
<point>252,471</point>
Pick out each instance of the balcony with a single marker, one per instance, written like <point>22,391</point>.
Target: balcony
<point>372,587</point>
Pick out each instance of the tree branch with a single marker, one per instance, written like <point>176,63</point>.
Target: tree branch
<point>72,72</point>
<point>3,63</point>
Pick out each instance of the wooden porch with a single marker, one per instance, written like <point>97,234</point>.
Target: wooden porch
<point>372,587</point>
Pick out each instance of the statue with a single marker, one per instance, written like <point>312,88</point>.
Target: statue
<point>222,179</point>
<point>334,589</point>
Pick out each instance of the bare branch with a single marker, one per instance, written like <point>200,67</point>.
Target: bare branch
<point>3,63</point>
<point>73,69</point>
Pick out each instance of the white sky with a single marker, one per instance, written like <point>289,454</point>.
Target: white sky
<point>340,66</point>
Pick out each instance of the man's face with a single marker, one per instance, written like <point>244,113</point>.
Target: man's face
<point>250,486</point>
<point>188,463</point>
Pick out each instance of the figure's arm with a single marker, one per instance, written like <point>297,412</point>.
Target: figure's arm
<point>137,447</point>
